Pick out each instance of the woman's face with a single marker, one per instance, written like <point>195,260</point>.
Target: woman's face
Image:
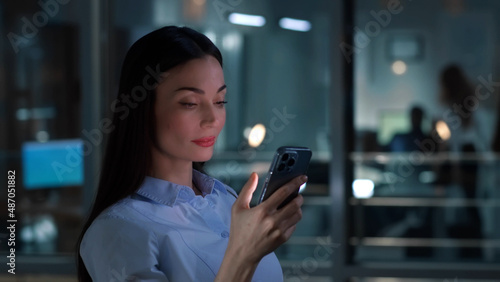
<point>190,110</point>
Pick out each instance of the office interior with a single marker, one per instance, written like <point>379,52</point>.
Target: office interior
<point>404,183</point>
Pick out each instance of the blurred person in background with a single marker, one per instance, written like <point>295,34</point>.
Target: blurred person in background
<point>461,116</point>
<point>408,141</point>
<point>417,220</point>
<point>467,138</point>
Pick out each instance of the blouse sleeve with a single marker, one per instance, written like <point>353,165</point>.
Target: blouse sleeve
<point>115,249</point>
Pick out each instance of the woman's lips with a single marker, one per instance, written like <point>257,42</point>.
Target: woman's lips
<point>205,141</point>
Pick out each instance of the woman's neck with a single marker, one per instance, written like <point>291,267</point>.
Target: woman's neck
<point>178,172</point>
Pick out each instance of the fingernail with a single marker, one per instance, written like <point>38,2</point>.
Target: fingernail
<point>304,178</point>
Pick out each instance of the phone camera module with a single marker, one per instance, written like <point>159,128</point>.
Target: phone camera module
<point>291,162</point>
<point>281,167</point>
<point>284,157</point>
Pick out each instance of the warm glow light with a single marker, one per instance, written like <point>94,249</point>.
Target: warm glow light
<point>399,67</point>
<point>245,19</point>
<point>295,24</point>
<point>257,135</point>
<point>443,130</point>
<point>362,188</point>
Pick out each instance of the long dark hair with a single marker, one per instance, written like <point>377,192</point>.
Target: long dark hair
<point>456,88</point>
<point>127,159</point>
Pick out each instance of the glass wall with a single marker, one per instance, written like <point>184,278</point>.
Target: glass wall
<point>425,163</point>
<point>41,134</point>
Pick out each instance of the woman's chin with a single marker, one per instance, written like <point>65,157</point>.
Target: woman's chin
<point>205,157</point>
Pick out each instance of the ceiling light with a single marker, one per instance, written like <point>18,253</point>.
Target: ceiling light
<point>399,67</point>
<point>245,19</point>
<point>295,24</point>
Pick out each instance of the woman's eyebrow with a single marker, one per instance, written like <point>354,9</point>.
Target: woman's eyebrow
<point>199,91</point>
<point>222,88</point>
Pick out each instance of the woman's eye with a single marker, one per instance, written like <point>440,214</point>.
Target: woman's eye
<point>188,105</point>
<point>221,103</point>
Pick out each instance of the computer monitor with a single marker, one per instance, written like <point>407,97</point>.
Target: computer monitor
<point>52,164</point>
<point>392,122</point>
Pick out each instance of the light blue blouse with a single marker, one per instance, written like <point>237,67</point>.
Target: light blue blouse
<point>164,232</point>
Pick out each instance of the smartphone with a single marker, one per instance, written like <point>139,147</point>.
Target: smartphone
<point>288,163</point>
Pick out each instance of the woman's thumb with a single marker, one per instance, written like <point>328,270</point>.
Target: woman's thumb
<point>247,191</point>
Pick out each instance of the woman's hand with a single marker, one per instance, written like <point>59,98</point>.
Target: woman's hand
<point>257,231</point>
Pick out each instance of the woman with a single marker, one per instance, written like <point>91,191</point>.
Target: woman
<point>157,216</point>
<point>463,118</point>
<point>467,137</point>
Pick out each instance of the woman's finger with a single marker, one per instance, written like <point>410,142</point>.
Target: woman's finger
<point>247,191</point>
<point>291,214</point>
<point>290,209</point>
<point>288,233</point>
<point>284,191</point>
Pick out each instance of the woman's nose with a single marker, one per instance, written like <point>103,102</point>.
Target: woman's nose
<point>210,116</point>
